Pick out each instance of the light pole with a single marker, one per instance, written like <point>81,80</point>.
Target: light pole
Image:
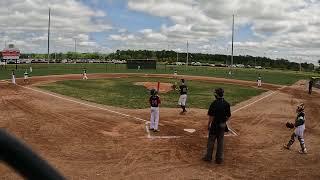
<point>49,37</point>
<point>187,55</point>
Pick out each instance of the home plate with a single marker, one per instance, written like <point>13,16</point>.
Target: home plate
<point>190,130</point>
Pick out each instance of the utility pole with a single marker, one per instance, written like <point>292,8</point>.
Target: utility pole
<point>75,46</point>
<point>49,38</point>
<point>232,40</point>
<point>300,64</point>
<point>187,54</point>
<point>177,56</point>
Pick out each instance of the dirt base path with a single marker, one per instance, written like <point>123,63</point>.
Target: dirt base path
<point>85,142</point>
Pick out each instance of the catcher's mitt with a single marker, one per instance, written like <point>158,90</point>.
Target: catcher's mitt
<point>289,125</point>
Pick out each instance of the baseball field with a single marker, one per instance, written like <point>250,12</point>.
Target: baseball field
<point>98,128</point>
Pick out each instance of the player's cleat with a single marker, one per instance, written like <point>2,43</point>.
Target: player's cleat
<point>156,130</point>
<point>286,147</point>
<point>219,161</point>
<point>304,151</point>
<point>151,129</point>
<point>206,159</point>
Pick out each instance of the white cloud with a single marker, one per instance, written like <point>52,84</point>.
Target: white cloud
<point>27,20</point>
<point>281,25</point>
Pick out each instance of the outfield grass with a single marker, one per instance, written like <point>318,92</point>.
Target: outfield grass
<point>123,93</point>
<point>268,76</point>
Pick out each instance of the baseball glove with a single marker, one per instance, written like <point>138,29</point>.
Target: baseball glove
<point>289,125</point>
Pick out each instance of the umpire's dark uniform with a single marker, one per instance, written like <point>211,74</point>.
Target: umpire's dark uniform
<point>219,113</point>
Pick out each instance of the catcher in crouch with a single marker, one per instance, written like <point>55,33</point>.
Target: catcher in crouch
<point>299,126</point>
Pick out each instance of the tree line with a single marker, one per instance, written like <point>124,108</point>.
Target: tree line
<point>172,56</point>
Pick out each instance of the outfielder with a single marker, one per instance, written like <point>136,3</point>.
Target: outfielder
<point>13,77</point>
<point>183,96</point>
<point>84,74</point>
<point>155,102</point>
<point>299,126</point>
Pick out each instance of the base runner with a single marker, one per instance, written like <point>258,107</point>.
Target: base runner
<point>155,102</point>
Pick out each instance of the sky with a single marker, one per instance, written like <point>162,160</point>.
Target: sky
<point>287,29</point>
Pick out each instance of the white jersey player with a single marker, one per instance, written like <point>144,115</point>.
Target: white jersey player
<point>259,81</point>
<point>84,74</point>
<point>13,77</point>
<point>26,77</point>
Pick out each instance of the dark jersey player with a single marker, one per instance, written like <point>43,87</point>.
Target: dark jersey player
<point>219,113</point>
<point>155,102</point>
<point>183,96</point>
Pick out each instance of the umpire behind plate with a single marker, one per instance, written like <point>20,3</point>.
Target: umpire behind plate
<point>219,113</point>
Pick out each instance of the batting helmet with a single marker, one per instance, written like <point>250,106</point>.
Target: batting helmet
<point>153,92</point>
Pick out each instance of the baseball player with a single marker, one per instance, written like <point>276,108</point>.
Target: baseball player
<point>155,102</point>
<point>84,74</point>
<point>299,126</point>
<point>30,69</point>
<point>175,74</point>
<point>310,85</point>
<point>13,77</point>
<point>26,77</point>
<point>259,81</point>
<point>183,96</point>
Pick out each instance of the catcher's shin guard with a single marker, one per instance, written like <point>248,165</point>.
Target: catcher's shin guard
<point>291,141</point>
<point>303,146</point>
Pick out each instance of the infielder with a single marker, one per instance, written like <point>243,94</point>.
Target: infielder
<point>299,126</point>
<point>259,81</point>
<point>84,74</point>
<point>183,96</point>
<point>13,77</point>
<point>175,74</point>
<point>26,77</point>
<point>155,102</point>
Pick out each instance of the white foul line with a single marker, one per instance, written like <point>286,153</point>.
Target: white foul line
<point>105,109</point>
<point>82,103</point>
<point>139,119</point>
<point>257,100</point>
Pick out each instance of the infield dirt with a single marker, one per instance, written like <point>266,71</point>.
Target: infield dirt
<point>84,142</point>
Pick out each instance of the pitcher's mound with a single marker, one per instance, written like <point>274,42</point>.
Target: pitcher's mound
<point>164,87</point>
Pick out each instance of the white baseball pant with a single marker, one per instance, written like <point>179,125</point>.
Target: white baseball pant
<point>154,119</point>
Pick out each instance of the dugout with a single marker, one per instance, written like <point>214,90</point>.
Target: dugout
<point>316,82</point>
<point>142,63</point>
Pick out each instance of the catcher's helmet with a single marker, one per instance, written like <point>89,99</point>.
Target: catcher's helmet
<point>153,92</point>
<point>300,107</point>
<point>219,92</point>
